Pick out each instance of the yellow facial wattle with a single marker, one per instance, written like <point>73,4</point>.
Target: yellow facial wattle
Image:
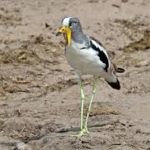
<point>67,31</point>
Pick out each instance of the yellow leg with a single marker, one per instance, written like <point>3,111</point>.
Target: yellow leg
<point>82,97</point>
<point>83,127</point>
<point>90,104</point>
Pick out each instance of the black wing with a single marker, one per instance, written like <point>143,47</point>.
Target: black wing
<point>102,56</point>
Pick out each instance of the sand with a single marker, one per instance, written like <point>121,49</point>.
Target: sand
<point>39,92</point>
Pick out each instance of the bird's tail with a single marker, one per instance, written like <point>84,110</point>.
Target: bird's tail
<point>114,85</point>
<point>112,79</point>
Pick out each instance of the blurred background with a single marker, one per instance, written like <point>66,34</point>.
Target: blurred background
<point>39,92</point>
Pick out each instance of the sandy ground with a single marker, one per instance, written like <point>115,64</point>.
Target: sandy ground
<point>39,94</point>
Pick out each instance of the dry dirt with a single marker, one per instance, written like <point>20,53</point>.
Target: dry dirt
<point>39,93</point>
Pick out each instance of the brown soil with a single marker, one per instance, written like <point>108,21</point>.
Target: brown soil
<point>39,92</point>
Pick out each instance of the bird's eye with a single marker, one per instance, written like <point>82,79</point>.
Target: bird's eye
<point>70,23</point>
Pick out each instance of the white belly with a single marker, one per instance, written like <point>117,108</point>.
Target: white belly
<point>85,61</point>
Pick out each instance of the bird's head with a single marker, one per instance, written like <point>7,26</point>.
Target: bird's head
<point>69,25</point>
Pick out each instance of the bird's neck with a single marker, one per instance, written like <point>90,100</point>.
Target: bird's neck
<point>78,36</point>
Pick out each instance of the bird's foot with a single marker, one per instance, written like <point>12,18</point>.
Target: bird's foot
<point>83,132</point>
<point>86,130</point>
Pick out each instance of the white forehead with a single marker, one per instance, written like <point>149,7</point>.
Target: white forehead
<point>65,21</point>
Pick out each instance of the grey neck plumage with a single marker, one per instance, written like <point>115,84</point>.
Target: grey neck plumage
<point>77,34</point>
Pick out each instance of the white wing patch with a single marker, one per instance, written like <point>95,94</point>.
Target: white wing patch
<point>101,52</point>
<point>100,47</point>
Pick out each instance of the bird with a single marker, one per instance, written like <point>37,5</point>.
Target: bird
<point>86,55</point>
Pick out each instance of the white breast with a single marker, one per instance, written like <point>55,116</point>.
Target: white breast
<point>84,61</point>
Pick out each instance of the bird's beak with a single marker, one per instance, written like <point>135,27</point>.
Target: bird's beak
<point>67,31</point>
